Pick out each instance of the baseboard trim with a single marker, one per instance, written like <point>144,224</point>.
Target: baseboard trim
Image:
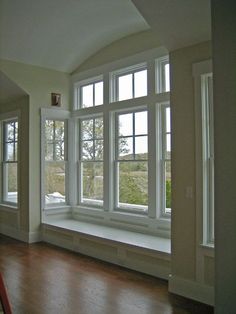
<point>191,289</point>
<point>28,237</point>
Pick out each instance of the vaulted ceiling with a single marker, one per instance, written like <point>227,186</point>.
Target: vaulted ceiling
<point>62,34</point>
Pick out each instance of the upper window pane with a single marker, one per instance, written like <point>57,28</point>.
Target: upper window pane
<point>126,124</point>
<point>125,87</point>
<point>140,83</point>
<point>91,95</point>
<point>141,123</point>
<point>54,140</point>
<point>10,140</point>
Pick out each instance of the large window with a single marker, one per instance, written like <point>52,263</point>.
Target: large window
<point>55,152</point>
<point>119,144</point>
<point>10,161</point>
<point>91,161</point>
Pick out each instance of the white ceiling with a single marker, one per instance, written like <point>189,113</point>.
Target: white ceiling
<point>61,34</point>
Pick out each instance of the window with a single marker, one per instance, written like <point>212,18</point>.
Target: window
<point>55,154</point>
<point>208,157</point>
<point>89,93</point>
<point>166,158</point>
<point>91,161</point>
<point>10,161</point>
<point>162,75</point>
<point>132,160</point>
<point>130,83</point>
<point>204,152</point>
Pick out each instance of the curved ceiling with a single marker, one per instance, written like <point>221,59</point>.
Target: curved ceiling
<point>61,34</point>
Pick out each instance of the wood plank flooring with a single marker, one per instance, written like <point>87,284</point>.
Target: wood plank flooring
<point>44,279</point>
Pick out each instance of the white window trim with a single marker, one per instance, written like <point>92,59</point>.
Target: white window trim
<point>160,76</point>
<point>63,115</point>
<point>201,71</point>
<point>5,117</point>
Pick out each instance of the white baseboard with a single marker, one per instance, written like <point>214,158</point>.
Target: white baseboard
<point>28,237</point>
<point>191,289</point>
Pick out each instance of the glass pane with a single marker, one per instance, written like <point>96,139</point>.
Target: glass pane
<point>125,148</point>
<point>9,153</point>
<point>99,149</point>
<point>16,131</point>
<point>140,83</point>
<point>168,186</point>
<point>59,151</point>
<point>125,87</point>
<point>168,120</point>
<point>49,151</point>
<point>49,130</point>
<point>59,130</point>
<point>10,134</point>
<point>141,123</point>
<point>141,147</point>
<point>87,129</point>
<point>87,150</point>
<point>54,182</point>
<point>99,93</point>
<point>98,130</point>
<point>10,185</point>
<point>125,124</point>
<point>133,184</point>
<point>92,177</point>
<point>87,96</point>
<point>167,77</point>
<point>168,146</point>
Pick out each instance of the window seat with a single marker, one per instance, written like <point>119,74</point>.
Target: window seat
<point>141,252</point>
<point>131,238</point>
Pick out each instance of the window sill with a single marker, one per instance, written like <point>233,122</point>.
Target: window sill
<point>8,207</point>
<point>130,238</point>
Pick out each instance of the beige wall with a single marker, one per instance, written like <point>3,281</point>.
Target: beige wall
<point>122,48</point>
<point>38,83</point>
<point>183,232</point>
<point>224,67</point>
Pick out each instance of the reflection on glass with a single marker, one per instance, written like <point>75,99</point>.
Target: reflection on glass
<point>92,176</point>
<point>126,124</point>
<point>141,123</point>
<point>54,182</point>
<point>87,96</point>
<point>98,93</point>
<point>11,193</point>
<point>140,83</point>
<point>125,148</point>
<point>133,184</point>
<point>125,87</point>
<point>141,147</point>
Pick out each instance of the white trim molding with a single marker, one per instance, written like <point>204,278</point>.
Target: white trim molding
<point>191,289</point>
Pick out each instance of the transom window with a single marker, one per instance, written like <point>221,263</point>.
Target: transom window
<point>91,94</point>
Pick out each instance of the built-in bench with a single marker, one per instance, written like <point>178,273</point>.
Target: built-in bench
<point>146,253</point>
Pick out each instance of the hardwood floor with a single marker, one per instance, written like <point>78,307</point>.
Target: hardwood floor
<point>42,278</point>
